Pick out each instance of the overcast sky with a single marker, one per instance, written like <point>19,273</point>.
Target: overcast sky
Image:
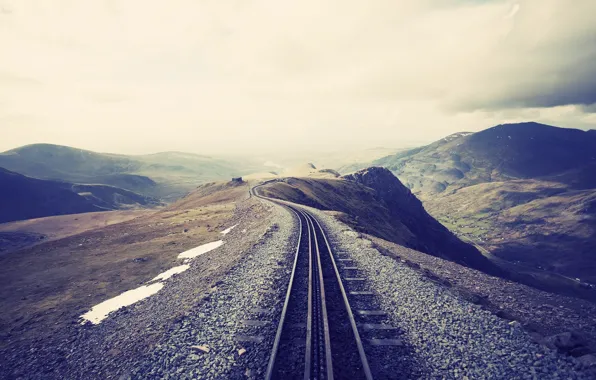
<point>208,76</point>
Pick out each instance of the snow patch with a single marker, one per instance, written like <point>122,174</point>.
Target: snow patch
<point>170,272</point>
<point>192,253</point>
<point>100,311</point>
<point>227,230</point>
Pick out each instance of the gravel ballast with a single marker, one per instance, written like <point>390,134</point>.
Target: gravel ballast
<point>218,319</point>
<point>210,343</point>
<point>202,306</point>
<point>446,336</point>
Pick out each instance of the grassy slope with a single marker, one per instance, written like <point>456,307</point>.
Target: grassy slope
<point>23,233</point>
<point>45,287</point>
<point>361,208</point>
<point>23,198</point>
<point>544,225</point>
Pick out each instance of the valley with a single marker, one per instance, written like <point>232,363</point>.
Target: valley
<point>277,190</point>
<point>165,175</point>
<point>523,193</point>
<point>217,312</point>
<point>23,198</point>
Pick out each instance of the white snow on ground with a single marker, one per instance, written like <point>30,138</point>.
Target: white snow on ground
<point>192,253</point>
<point>227,230</point>
<point>100,311</point>
<point>170,272</point>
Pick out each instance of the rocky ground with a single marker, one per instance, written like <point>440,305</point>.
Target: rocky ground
<point>218,319</point>
<point>444,334</point>
<point>202,306</point>
<point>213,341</point>
<point>544,315</point>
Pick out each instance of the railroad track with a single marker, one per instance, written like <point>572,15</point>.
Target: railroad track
<point>317,335</point>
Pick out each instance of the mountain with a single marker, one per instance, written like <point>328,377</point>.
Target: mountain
<point>523,192</point>
<point>113,198</point>
<point>27,198</point>
<point>23,198</point>
<point>166,175</point>
<point>508,151</point>
<point>376,202</point>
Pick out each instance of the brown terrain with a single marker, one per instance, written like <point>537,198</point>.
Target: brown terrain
<point>515,296</point>
<point>375,201</point>
<point>537,227</point>
<point>48,286</point>
<point>85,259</point>
<point>23,233</point>
<point>524,194</point>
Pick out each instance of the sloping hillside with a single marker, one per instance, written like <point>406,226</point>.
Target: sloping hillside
<point>166,175</point>
<point>374,201</point>
<point>23,198</point>
<point>509,151</point>
<point>112,198</point>
<point>26,198</point>
<point>48,286</point>
<point>535,224</point>
<point>523,191</point>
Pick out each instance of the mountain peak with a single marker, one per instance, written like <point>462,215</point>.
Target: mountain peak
<point>384,182</point>
<point>41,147</point>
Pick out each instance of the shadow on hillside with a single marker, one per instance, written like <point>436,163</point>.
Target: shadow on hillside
<point>387,210</point>
<point>541,261</point>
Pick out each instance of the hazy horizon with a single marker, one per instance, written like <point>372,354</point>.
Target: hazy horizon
<point>227,78</point>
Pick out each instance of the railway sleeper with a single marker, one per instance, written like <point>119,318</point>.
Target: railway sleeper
<point>249,338</point>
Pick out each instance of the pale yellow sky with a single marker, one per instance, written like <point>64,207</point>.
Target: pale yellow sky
<point>211,76</point>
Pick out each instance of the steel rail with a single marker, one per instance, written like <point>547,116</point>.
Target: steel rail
<point>271,365</point>
<point>326,335</point>
<point>308,350</point>
<point>363,359</point>
<point>312,235</point>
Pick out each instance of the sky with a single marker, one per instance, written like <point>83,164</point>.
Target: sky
<point>216,76</point>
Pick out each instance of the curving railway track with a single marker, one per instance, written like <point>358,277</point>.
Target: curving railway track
<point>317,335</point>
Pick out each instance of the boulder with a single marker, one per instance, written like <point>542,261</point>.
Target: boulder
<point>565,342</point>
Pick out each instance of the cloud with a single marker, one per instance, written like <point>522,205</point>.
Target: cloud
<point>513,12</point>
<point>219,74</point>
<point>591,108</point>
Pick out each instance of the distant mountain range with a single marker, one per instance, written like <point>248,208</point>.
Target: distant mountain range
<point>526,192</point>
<point>167,175</point>
<point>504,152</point>
<point>23,198</point>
